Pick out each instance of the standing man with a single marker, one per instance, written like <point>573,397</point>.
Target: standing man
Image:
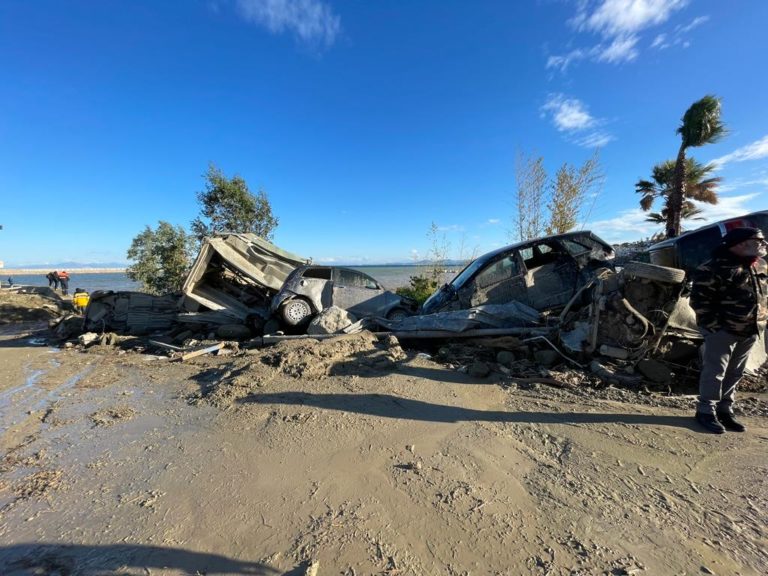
<point>730,298</point>
<point>53,280</point>
<point>64,281</point>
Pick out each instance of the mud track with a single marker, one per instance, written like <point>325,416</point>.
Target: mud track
<point>129,464</point>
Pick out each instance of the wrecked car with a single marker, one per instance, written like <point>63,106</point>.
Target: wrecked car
<point>309,290</point>
<point>543,273</point>
<point>233,280</point>
<point>689,250</point>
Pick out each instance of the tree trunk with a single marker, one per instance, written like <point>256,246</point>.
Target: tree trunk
<point>676,199</point>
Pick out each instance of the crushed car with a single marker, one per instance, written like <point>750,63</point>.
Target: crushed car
<point>544,274</point>
<point>233,280</point>
<point>309,290</point>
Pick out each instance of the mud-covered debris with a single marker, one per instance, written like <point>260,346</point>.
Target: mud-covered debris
<point>345,354</point>
<point>655,371</point>
<point>478,369</point>
<point>111,416</point>
<point>38,484</point>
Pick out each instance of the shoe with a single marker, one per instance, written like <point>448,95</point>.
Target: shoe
<point>710,423</point>
<point>729,422</point>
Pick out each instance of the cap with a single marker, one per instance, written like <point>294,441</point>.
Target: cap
<point>739,235</point>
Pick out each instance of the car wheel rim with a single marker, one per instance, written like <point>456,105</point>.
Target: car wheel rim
<point>296,311</point>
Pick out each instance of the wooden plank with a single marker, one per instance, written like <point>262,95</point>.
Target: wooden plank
<point>207,350</point>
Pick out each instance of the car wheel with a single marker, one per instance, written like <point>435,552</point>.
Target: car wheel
<point>654,272</point>
<point>296,311</point>
<point>397,315</point>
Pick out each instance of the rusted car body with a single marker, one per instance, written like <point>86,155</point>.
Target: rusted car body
<point>311,289</point>
<point>543,273</point>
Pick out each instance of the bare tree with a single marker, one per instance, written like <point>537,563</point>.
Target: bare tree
<point>531,180</point>
<point>569,190</point>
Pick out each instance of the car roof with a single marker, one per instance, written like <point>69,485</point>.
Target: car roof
<point>540,239</point>
<point>672,241</point>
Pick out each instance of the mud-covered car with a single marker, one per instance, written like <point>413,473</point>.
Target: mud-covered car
<point>543,273</point>
<point>309,290</point>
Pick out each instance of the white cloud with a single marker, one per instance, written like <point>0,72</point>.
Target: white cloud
<point>451,228</point>
<point>630,225</point>
<point>595,139</point>
<point>562,62</point>
<point>568,113</point>
<point>494,220</point>
<point>738,184</point>
<point>621,17</point>
<point>311,21</point>
<point>571,116</point>
<point>677,38</point>
<point>618,23</point>
<point>753,151</point>
<point>621,49</point>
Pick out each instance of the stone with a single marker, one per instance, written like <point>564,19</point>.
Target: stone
<point>546,358</point>
<point>87,338</point>
<point>478,369</point>
<point>655,371</point>
<point>330,321</point>
<point>233,332</point>
<point>505,358</point>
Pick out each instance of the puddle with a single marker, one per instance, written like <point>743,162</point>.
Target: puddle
<point>35,398</point>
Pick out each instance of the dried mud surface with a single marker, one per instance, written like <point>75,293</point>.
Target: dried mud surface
<point>354,457</point>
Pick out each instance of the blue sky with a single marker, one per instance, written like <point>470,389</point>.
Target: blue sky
<point>364,121</point>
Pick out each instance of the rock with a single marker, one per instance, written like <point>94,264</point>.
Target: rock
<point>181,336</point>
<point>505,358</point>
<point>655,371</point>
<point>546,358</point>
<point>330,321</point>
<point>313,569</point>
<point>411,448</point>
<point>479,369</point>
<point>88,338</point>
<point>233,332</point>
<point>681,351</point>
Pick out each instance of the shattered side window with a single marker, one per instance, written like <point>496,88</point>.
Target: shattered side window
<point>498,271</point>
<point>321,273</point>
<point>575,248</point>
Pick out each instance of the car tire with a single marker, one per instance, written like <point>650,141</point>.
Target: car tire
<point>654,272</point>
<point>295,311</point>
<point>397,315</point>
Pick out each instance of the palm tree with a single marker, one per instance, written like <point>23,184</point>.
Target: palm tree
<point>700,125</point>
<point>690,212</point>
<point>699,186</point>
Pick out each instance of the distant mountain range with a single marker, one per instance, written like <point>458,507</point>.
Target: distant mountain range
<point>64,265</point>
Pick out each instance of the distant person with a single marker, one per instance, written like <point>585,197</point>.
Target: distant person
<point>64,281</point>
<point>80,299</point>
<point>10,281</point>
<point>53,280</point>
<point>730,298</point>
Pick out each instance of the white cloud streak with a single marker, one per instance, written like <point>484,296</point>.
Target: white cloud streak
<point>630,225</point>
<point>312,22</point>
<point>618,23</point>
<point>753,151</point>
<point>571,116</point>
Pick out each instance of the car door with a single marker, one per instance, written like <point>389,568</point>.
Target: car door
<point>499,282</point>
<point>358,293</point>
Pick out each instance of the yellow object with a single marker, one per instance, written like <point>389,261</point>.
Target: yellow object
<point>80,299</point>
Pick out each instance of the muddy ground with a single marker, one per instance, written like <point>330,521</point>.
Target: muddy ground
<point>355,457</point>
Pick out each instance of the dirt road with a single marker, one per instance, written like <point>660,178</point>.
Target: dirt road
<point>392,464</point>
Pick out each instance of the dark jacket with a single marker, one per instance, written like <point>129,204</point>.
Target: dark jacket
<point>730,295</point>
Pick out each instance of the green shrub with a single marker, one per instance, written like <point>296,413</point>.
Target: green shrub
<point>421,287</point>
